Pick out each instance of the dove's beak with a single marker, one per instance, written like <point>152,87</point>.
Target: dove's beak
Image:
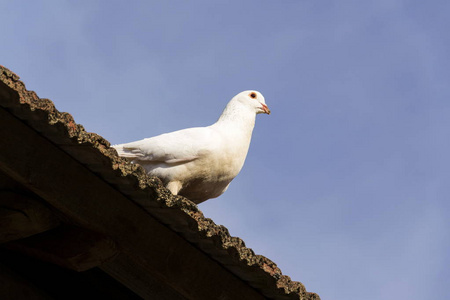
<point>265,109</point>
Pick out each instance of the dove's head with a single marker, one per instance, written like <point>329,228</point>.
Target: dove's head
<point>255,100</point>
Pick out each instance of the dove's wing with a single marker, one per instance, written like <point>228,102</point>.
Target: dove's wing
<point>172,148</point>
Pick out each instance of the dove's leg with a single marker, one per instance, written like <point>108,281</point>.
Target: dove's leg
<point>174,187</point>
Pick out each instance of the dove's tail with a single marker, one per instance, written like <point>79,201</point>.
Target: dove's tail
<point>124,152</point>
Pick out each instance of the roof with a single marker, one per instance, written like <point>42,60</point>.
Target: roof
<point>113,216</point>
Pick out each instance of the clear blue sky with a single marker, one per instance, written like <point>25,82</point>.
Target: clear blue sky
<point>346,185</point>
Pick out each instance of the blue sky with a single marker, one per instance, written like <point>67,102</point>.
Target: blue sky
<point>346,183</point>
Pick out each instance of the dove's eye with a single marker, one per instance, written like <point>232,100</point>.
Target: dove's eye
<point>253,95</point>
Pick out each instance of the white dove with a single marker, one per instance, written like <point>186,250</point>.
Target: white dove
<point>199,163</point>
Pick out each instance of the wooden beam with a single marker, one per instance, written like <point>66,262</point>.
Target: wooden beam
<point>89,201</point>
<point>22,216</point>
<point>74,248</point>
<point>132,275</point>
<point>24,277</point>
